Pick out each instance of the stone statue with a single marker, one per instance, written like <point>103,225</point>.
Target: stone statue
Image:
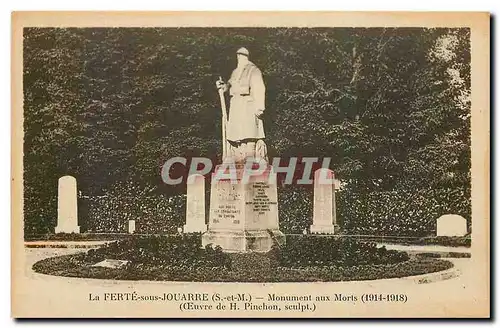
<point>244,130</point>
<point>244,208</point>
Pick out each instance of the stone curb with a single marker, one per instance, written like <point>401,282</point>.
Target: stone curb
<point>434,276</point>
<point>426,248</point>
<point>64,244</point>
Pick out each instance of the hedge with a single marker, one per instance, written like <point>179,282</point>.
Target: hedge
<point>390,213</point>
<point>400,213</point>
<point>153,214</point>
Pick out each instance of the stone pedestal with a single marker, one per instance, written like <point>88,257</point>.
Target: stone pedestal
<point>324,216</point>
<point>244,212</point>
<point>67,207</point>
<point>195,204</point>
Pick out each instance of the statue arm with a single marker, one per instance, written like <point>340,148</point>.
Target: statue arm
<point>226,86</point>
<point>258,91</point>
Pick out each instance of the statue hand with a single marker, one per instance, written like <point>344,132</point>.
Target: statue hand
<point>220,84</point>
<point>259,112</point>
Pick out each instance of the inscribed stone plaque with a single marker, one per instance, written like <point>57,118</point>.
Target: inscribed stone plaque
<point>244,213</point>
<point>195,207</point>
<point>324,202</point>
<point>226,205</point>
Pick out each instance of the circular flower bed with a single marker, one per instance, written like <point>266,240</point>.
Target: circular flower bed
<point>181,258</point>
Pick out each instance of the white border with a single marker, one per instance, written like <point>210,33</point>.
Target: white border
<point>6,7</point>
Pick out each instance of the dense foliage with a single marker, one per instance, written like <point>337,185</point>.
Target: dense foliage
<point>180,258</point>
<point>399,213</point>
<point>182,252</point>
<point>71,266</point>
<point>390,106</point>
<point>153,214</point>
<point>383,213</point>
<point>464,241</point>
<point>389,213</point>
<point>305,251</point>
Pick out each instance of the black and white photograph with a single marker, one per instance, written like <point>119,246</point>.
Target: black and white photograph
<point>251,170</point>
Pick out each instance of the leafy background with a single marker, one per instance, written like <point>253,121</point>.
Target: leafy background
<point>390,106</point>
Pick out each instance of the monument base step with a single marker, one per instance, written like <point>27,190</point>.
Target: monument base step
<point>233,241</point>
<point>318,229</point>
<point>74,229</point>
<point>194,228</point>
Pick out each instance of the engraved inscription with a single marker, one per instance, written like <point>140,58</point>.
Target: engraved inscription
<point>261,202</point>
<point>227,211</point>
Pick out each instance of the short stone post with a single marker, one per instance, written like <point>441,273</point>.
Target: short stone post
<point>451,225</point>
<point>131,226</point>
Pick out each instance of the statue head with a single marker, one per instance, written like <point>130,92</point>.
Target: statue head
<point>242,55</point>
